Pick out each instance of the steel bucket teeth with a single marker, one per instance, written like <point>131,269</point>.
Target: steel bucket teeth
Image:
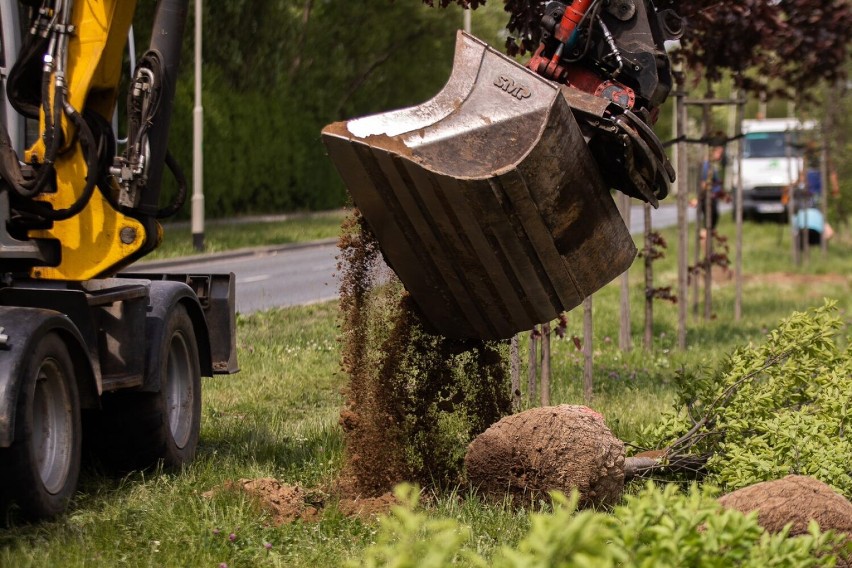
<point>485,200</point>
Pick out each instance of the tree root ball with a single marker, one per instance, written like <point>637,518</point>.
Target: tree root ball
<point>545,449</point>
<point>795,499</point>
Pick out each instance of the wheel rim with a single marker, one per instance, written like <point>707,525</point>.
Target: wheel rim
<point>179,390</point>
<point>53,426</point>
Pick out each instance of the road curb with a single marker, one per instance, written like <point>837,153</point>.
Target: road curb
<point>149,265</point>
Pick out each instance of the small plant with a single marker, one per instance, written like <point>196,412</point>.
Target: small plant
<point>719,257</point>
<point>408,538</point>
<point>654,249</point>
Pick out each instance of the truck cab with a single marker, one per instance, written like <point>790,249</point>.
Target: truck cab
<point>772,162</point>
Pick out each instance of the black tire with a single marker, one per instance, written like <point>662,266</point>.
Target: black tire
<point>41,468</point>
<point>138,430</point>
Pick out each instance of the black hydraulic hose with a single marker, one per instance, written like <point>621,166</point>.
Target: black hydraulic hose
<point>52,132</point>
<point>89,146</point>
<point>10,167</point>
<point>164,212</point>
<point>180,198</point>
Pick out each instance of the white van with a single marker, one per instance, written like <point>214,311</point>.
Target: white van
<point>767,169</point>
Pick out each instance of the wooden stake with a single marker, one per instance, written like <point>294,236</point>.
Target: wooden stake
<point>708,224</point>
<point>545,364</point>
<point>682,217</point>
<point>515,369</point>
<point>532,384</point>
<point>587,351</point>
<point>625,342</point>
<point>649,283</point>
<point>738,209</point>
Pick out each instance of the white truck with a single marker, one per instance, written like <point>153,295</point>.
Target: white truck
<point>772,162</point>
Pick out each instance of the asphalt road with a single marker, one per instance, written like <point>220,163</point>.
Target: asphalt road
<point>293,275</point>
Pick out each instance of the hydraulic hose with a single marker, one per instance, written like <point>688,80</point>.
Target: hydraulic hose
<point>180,198</point>
<point>89,146</point>
<point>10,167</point>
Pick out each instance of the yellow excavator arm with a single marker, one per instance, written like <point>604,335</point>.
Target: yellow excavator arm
<point>84,212</point>
<point>99,238</point>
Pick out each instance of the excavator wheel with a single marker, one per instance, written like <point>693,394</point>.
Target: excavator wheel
<point>40,470</point>
<point>180,396</point>
<point>138,430</point>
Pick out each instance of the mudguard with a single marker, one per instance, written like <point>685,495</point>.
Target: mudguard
<point>485,200</point>
<point>22,329</point>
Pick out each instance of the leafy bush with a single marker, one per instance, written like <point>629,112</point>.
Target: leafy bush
<point>658,527</point>
<point>782,407</point>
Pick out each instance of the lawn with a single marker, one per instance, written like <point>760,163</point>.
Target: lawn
<point>229,234</point>
<point>278,418</point>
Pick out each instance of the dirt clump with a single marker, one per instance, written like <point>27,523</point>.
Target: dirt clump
<point>560,448</point>
<point>795,499</point>
<point>284,503</point>
<point>287,503</point>
<point>367,507</point>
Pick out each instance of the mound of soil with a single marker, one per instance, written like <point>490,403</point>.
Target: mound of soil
<point>288,503</point>
<point>544,449</point>
<point>795,499</point>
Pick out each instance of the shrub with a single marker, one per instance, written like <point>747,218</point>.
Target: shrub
<point>658,527</point>
<point>779,408</point>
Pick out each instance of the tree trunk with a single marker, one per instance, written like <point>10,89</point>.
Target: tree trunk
<point>296,63</point>
<point>641,466</point>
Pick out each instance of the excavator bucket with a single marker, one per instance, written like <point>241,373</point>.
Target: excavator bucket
<point>485,200</point>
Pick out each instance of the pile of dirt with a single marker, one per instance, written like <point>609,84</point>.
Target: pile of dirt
<point>289,503</point>
<point>795,499</point>
<point>544,449</point>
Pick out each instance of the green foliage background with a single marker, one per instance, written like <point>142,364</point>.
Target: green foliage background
<point>276,72</point>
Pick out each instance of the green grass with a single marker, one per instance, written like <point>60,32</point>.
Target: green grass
<point>224,235</point>
<point>278,418</point>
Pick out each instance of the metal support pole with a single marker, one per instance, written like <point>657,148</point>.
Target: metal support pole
<point>198,143</point>
<point>467,19</point>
